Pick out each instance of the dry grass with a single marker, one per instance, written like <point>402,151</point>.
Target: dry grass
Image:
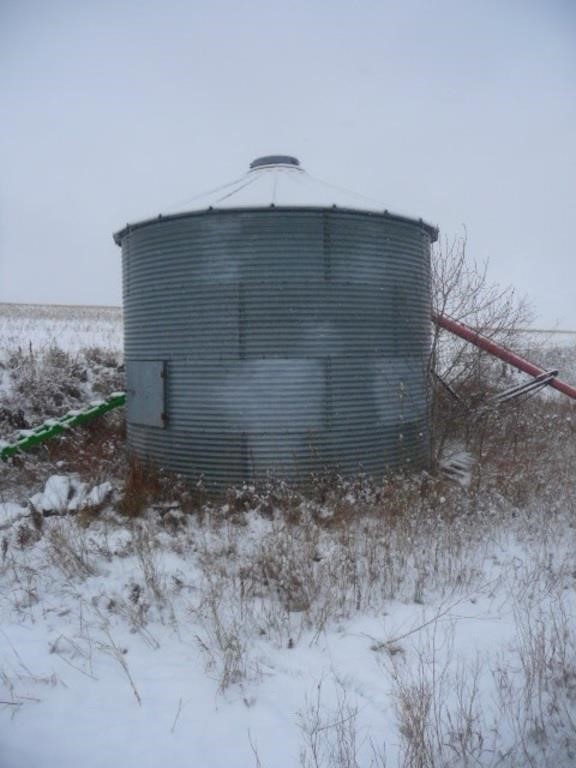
<point>451,713</point>
<point>330,737</point>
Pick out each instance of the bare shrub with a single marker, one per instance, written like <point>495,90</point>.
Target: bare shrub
<point>464,376</point>
<point>142,486</point>
<point>145,486</point>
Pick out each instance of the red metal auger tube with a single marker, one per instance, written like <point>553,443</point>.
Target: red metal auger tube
<point>474,337</point>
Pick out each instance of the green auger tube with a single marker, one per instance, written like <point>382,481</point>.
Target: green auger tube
<point>53,427</point>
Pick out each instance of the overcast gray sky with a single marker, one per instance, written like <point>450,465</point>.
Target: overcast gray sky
<point>459,111</point>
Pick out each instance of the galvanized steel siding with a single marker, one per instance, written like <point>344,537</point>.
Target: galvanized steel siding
<point>293,340</point>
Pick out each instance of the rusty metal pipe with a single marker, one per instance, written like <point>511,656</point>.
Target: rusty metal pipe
<point>474,337</point>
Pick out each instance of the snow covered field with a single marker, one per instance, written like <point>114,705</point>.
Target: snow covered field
<point>360,624</point>
<point>69,327</point>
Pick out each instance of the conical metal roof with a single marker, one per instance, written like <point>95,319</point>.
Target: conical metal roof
<point>279,181</point>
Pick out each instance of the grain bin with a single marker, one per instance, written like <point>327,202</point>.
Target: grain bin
<point>281,327</point>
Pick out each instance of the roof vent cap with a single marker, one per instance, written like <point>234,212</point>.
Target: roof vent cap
<point>269,161</point>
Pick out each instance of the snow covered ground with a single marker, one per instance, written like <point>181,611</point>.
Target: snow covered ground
<point>401,623</point>
<point>37,326</point>
<point>248,639</point>
<point>174,639</point>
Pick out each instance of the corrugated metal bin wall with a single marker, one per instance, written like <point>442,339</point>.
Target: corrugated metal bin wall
<point>277,341</point>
